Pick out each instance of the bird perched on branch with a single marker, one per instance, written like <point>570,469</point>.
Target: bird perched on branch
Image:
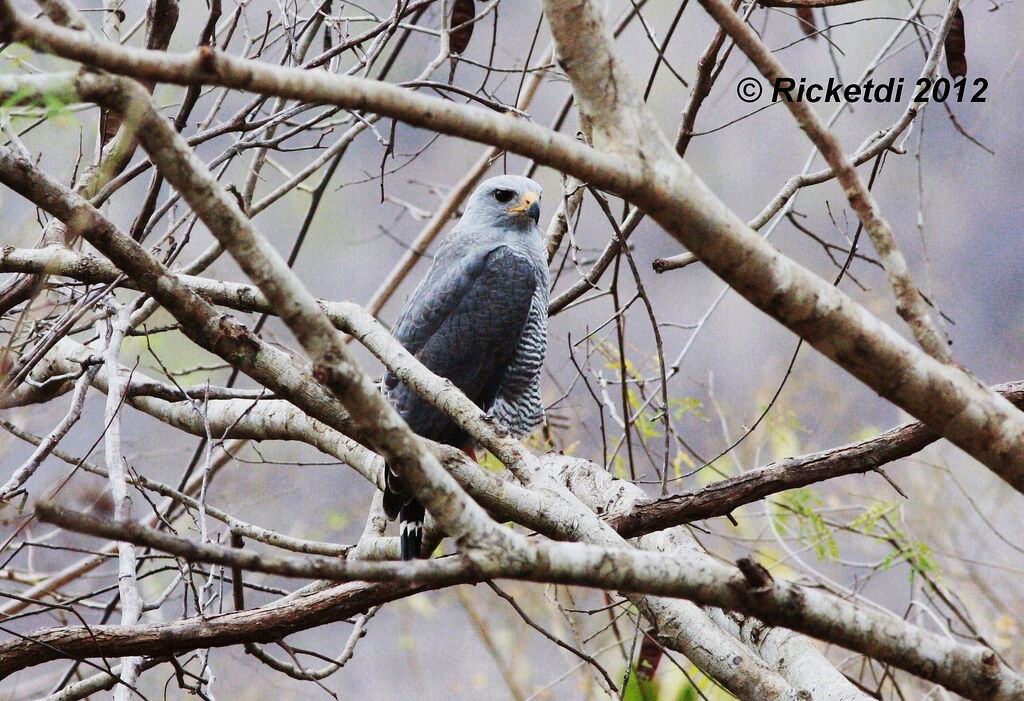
<point>479,318</point>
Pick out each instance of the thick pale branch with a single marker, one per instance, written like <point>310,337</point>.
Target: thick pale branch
<point>599,491</point>
<point>602,494</point>
<point>443,570</point>
<point>793,655</point>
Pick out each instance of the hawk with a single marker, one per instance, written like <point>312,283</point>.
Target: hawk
<point>479,319</point>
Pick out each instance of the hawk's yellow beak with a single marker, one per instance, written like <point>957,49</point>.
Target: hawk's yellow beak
<point>525,201</point>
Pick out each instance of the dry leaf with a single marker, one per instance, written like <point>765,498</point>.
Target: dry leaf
<point>807,21</point>
<point>461,33</point>
<point>956,46</point>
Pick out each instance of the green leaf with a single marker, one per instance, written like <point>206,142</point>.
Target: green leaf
<point>22,94</point>
<point>811,526</point>
<point>619,467</point>
<point>640,690</point>
<point>687,693</point>
<point>687,405</point>
<point>867,521</point>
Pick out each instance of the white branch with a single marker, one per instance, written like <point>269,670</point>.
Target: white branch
<point>127,562</point>
<point>46,446</point>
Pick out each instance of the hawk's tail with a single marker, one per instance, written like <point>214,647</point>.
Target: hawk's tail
<point>410,530</point>
<point>397,503</point>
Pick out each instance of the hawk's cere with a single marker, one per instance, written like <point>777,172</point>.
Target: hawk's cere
<point>479,318</point>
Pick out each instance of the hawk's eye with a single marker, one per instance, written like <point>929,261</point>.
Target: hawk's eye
<point>504,195</point>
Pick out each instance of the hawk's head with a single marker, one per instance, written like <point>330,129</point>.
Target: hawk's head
<point>506,200</point>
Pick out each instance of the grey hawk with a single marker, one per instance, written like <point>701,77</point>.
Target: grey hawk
<point>479,319</point>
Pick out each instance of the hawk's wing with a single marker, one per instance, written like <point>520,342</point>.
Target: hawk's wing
<point>464,323</point>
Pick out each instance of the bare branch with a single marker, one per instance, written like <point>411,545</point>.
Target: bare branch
<point>46,446</point>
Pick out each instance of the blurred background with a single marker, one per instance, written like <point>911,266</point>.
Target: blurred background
<point>946,557</point>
